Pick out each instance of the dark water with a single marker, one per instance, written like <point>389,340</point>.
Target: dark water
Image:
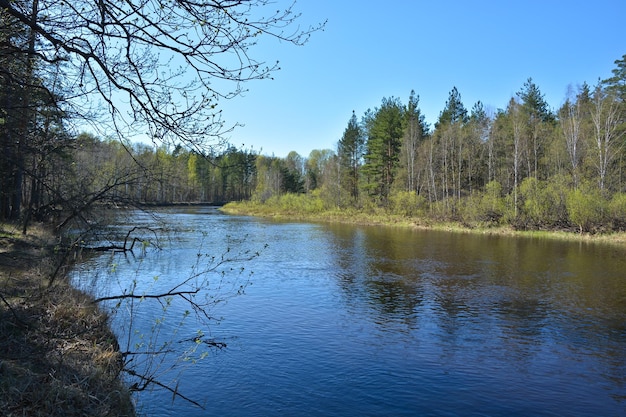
<point>347,320</point>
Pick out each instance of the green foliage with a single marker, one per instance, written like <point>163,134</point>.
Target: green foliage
<point>534,103</point>
<point>585,206</point>
<point>484,207</point>
<point>617,211</point>
<point>407,203</point>
<point>384,135</point>
<point>492,205</point>
<point>617,83</point>
<point>416,131</point>
<point>45,86</point>
<point>319,167</point>
<point>454,111</point>
<point>295,204</point>
<point>440,210</point>
<point>543,201</point>
<point>516,167</point>
<point>509,215</point>
<point>470,209</point>
<point>350,150</point>
<point>292,182</point>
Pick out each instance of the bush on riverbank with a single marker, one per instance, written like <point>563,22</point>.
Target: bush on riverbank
<point>58,355</point>
<point>542,211</point>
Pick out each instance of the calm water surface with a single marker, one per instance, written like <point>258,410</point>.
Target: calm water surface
<point>348,320</point>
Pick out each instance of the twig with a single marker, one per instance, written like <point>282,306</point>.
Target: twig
<point>135,296</point>
<point>150,380</point>
<point>17,319</point>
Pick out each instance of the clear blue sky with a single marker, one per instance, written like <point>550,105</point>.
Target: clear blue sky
<point>375,49</point>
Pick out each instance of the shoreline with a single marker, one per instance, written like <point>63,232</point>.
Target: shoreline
<point>58,355</point>
<point>390,220</point>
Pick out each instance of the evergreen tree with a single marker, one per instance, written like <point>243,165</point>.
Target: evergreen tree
<point>454,111</point>
<point>292,173</point>
<point>477,134</point>
<point>617,83</point>
<point>350,150</point>
<point>538,123</point>
<point>449,137</point>
<point>384,139</point>
<point>534,103</point>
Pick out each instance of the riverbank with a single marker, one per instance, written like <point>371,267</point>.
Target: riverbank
<point>58,356</point>
<point>354,216</point>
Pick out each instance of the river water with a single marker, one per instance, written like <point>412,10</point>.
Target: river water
<point>337,320</point>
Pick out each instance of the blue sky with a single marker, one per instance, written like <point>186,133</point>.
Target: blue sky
<point>374,49</point>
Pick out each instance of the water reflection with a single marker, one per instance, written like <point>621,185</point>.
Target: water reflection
<point>467,274</point>
<point>526,301</point>
<point>367,320</point>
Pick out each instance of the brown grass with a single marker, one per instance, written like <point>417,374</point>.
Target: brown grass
<point>350,216</point>
<point>58,356</point>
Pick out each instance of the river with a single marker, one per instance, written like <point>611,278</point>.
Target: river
<point>337,320</point>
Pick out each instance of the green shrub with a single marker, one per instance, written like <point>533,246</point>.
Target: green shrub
<point>492,205</point>
<point>470,210</point>
<point>543,202</point>
<point>617,211</point>
<point>407,203</point>
<point>585,206</point>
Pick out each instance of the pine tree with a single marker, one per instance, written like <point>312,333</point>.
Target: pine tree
<point>350,151</point>
<point>449,137</point>
<point>455,111</point>
<point>538,121</point>
<point>617,83</point>
<point>384,139</point>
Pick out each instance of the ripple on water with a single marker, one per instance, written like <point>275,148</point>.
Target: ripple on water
<point>344,320</point>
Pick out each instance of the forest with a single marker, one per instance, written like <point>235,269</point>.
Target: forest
<point>152,69</point>
<point>527,164</point>
<point>81,81</point>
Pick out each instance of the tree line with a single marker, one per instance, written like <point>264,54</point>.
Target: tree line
<point>525,165</point>
<point>151,68</point>
<point>158,69</point>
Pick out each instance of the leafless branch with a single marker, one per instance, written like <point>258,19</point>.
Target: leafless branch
<point>170,61</point>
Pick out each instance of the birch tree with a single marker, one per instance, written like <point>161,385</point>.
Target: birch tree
<point>571,121</point>
<point>415,133</point>
<point>606,115</point>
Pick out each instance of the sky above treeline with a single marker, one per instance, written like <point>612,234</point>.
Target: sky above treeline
<point>368,50</point>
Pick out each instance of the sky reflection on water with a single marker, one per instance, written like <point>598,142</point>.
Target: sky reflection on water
<point>344,320</point>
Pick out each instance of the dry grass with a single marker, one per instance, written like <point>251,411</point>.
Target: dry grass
<point>58,356</point>
<point>350,216</point>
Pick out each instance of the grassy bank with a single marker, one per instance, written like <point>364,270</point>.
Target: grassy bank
<point>58,357</point>
<point>303,212</point>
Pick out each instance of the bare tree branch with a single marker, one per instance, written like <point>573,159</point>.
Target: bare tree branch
<point>170,61</point>
<point>147,381</point>
<point>148,296</point>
